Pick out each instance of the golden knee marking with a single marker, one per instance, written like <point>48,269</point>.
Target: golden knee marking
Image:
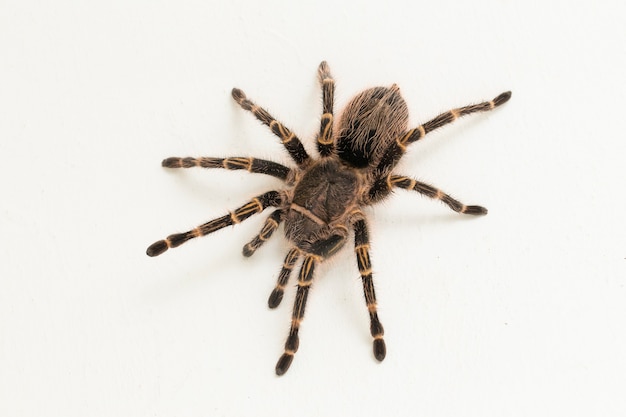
<point>292,257</point>
<point>366,272</point>
<point>238,163</point>
<point>281,131</point>
<point>404,140</point>
<point>304,284</point>
<point>306,277</point>
<point>363,258</point>
<point>270,226</point>
<point>454,113</point>
<point>289,138</point>
<point>390,181</point>
<point>325,137</point>
<point>252,207</point>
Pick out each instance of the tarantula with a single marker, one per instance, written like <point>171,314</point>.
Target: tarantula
<point>324,197</point>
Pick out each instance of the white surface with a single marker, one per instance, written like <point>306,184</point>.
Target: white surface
<point>518,313</point>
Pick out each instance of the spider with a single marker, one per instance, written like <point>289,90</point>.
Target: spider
<point>324,197</point>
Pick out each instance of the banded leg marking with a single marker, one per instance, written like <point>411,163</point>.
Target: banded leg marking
<point>325,140</point>
<point>277,294</point>
<point>361,248</point>
<point>395,152</point>
<point>289,139</point>
<point>270,225</point>
<point>254,165</point>
<point>257,205</point>
<point>435,193</point>
<point>304,282</point>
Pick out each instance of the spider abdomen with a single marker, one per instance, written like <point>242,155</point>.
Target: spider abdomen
<point>369,124</point>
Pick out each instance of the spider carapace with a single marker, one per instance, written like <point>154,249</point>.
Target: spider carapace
<point>323,197</point>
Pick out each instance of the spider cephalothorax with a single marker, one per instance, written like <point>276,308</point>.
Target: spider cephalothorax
<point>324,197</point>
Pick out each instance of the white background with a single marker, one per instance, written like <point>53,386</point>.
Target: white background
<point>519,313</point>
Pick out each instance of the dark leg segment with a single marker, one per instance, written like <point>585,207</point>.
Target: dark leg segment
<point>289,139</point>
<point>393,154</point>
<point>432,192</point>
<point>257,205</point>
<point>271,224</point>
<point>257,166</point>
<point>304,283</point>
<point>361,247</point>
<point>277,294</point>
<point>325,143</point>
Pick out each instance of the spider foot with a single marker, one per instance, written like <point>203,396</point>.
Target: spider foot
<point>157,248</point>
<point>502,98</point>
<point>284,363</point>
<point>248,250</point>
<point>380,350</point>
<point>275,298</point>
<point>474,210</point>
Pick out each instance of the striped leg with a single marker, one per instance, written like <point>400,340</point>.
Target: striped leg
<point>432,192</point>
<point>277,294</point>
<point>304,283</point>
<point>254,165</point>
<point>257,205</point>
<point>361,247</point>
<point>271,224</point>
<point>395,152</point>
<point>289,139</point>
<point>325,142</point>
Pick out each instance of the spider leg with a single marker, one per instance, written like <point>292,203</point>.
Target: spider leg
<point>254,165</point>
<point>395,152</point>
<point>361,247</point>
<point>277,294</point>
<point>325,142</point>
<point>270,225</point>
<point>432,192</point>
<point>304,283</point>
<point>289,139</point>
<point>256,205</point>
